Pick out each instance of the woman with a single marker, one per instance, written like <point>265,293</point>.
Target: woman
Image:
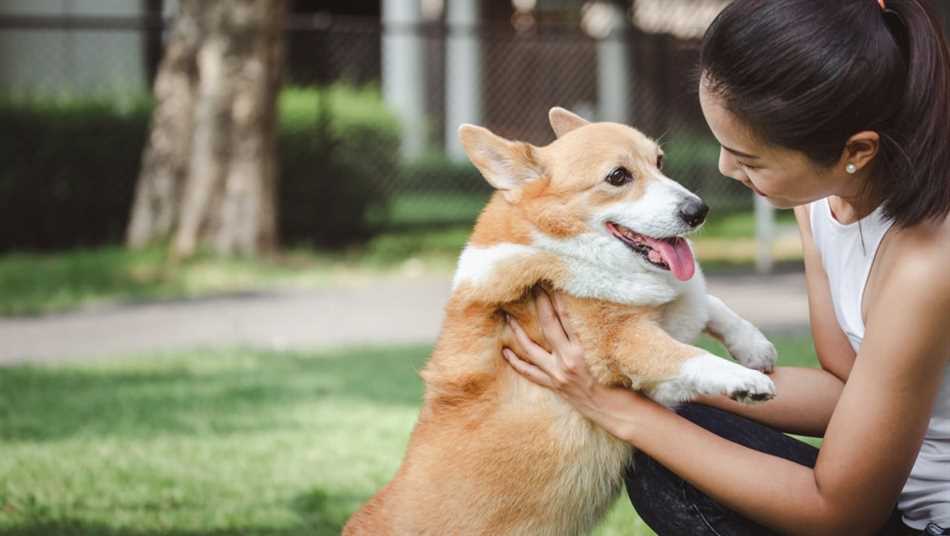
<point>841,109</point>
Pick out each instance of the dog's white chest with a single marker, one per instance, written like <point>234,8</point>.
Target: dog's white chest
<point>588,274</point>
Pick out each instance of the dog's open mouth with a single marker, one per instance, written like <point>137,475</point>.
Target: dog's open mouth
<point>672,253</point>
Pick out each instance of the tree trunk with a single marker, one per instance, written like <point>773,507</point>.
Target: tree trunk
<point>164,164</point>
<point>209,172</point>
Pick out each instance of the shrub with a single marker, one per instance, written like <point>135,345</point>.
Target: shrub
<point>435,173</point>
<point>68,167</point>
<point>67,171</point>
<point>339,151</point>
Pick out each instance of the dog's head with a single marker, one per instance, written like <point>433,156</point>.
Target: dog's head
<point>597,192</point>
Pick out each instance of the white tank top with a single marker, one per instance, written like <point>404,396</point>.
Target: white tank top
<point>847,252</point>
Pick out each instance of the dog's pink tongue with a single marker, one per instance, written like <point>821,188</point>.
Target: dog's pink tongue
<point>677,256</point>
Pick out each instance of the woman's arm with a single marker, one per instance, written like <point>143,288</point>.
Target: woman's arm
<point>870,445</point>
<point>804,401</point>
<point>805,398</point>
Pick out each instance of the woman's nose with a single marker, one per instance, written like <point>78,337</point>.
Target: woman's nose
<point>728,166</point>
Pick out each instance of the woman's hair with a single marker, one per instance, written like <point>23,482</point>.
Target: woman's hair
<point>809,74</point>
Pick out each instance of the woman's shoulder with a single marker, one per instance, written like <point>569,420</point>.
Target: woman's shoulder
<point>920,254</point>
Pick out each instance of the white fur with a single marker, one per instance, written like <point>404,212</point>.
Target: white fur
<point>686,317</point>
<point>707,374</point>
<point>476,264</point>
<point>655,213</point>
<point>743,340</point>
<point>601,267</point>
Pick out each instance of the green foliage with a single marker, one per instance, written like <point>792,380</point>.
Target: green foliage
<point>338,148</point>
<point>67,171</point>
<point>436,173</point>
<point>223,442</point>
<point>68,167</point>
<point>693,160</point>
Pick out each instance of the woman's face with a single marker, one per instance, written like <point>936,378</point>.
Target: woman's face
<point>785,177</point>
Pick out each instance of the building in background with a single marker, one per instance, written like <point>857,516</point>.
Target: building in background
<point>437,64</point>
<point>79,46</point>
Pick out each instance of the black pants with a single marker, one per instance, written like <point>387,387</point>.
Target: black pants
<point>673,507</point>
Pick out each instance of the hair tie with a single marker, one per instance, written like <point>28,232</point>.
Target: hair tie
<point>883,7</point>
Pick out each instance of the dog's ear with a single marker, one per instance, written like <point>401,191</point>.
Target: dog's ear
<point>506,165</point>
<point>564,121</point>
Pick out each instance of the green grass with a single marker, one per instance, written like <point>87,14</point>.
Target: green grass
<point>221,442</point>
<point>52,282</point>
<point>49,282</point>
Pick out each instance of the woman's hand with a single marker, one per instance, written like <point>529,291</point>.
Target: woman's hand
<point>564,369</point>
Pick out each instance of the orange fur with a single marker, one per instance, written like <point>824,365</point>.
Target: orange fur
<point>492,453</point>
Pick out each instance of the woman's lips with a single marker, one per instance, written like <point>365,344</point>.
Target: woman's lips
<point>752,187</point>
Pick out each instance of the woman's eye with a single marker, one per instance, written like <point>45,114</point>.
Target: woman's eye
<point>619,177</point>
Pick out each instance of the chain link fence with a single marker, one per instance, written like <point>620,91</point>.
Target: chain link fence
<point>526,66</point>
<point>524,72</point>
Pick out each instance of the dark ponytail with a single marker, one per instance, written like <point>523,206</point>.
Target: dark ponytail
<point>809,74</point>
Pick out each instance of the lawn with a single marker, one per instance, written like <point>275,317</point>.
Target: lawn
<point>51,282</point>
<point>35,283</point>
<point>221,442</point>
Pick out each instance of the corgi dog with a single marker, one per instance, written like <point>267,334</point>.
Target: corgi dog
<point>590,215</point>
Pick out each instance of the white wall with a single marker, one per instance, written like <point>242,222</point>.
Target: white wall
<point>72,61</point>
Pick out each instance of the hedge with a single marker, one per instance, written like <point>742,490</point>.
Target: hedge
<point>68,167</point>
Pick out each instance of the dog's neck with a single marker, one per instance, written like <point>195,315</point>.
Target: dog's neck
<point>507,255</point>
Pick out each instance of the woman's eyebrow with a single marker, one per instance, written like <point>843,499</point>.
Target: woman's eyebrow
<point>740,153</point>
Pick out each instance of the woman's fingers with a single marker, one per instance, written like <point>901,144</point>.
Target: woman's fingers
<point>533,353</point>
<point>565,317</point>
<point>568,347</point>
<point>548,318</point>
<point>527,370</point>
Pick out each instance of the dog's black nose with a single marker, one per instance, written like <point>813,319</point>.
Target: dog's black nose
<point>693,212</point>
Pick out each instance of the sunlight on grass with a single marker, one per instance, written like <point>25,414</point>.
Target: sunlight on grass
<point>49,282</point>
<point>216,442</point>
<point>52,282</point>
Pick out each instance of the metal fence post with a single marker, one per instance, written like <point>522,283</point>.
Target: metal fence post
<point>403,71</point>
<point>613,66</point>
<point>764,235</point>
<point>463,70</point>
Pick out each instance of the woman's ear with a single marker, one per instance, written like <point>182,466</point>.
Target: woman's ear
<point>861,149</point>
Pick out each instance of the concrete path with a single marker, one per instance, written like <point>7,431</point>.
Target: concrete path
<point>386,311</point>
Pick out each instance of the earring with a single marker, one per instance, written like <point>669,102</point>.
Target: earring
<point>851,169</point>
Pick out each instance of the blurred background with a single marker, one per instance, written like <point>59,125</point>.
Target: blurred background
<point>228,227</point>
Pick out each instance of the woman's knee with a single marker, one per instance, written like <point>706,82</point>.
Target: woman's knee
<point>671,506</point>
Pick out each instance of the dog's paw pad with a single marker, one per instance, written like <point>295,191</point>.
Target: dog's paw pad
<point>750,389</point>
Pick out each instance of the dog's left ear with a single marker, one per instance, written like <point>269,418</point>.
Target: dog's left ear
<point>564,121</point>
<point>506,165</point>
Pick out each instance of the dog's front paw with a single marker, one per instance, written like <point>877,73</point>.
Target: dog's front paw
<point>710,375</point>
<point>749,388</point>
<point>753,349</point>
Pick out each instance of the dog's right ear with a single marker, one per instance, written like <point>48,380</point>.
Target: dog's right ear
<point>564,121</point>
<point>506,165</point>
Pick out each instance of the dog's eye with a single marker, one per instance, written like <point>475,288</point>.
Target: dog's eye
<point>619,177</point>
<point>659,161</point>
